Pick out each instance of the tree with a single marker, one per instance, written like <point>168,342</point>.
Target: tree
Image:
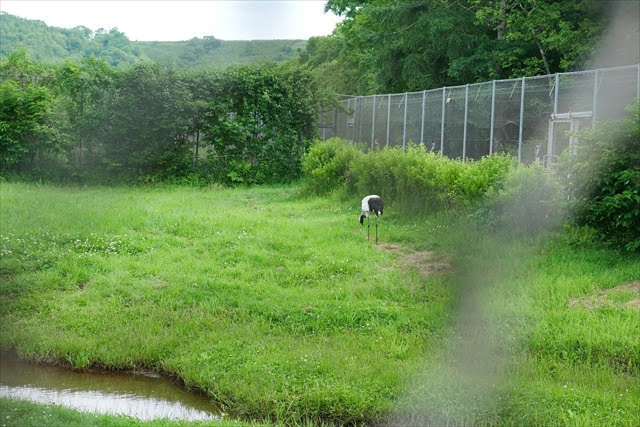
<point>259,120</point>
<point>27,127</point>
<point>542,36</point>
<point>83,88</point>
<point>387,46</point>
<point>145,122</point>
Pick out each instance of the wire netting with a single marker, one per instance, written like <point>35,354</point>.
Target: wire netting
<point>479,120</point>
<point>364,119</point>
<point>432,135</point>
<point>538,107</point>
<point>396,120</point>
<point>617,88</point>
<point>514,116</point>
<point>413,128</point>
<point>506,125</point>
<point>380,116</point>
<point>575,92</point>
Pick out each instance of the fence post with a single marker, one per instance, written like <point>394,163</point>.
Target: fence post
<point>404,128</point>
<point>464,132</point>
<point>424,98</point>
<point>388,117</point>
<point>555,96</point>
<point>521,120</point>
<point>638,83</point>
<point>359,140</point>
<point>493,111</point>
<point>346,119</point>
<point>373,121</point>
<point>444,95</point>
<point>324,126</point>
<point>594,102</point>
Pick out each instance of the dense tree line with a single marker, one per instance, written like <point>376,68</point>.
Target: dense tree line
<point>52,44</point>
<point>392,46</point>
<point>109,113</point>
<point>45,43</point>
<point>89,120</point>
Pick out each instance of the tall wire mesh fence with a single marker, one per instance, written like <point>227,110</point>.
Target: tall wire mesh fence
<point>529,118</point>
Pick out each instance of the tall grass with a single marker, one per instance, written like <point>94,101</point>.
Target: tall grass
<point>416,181</point>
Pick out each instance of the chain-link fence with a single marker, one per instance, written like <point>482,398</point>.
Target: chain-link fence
<point>527,117</point>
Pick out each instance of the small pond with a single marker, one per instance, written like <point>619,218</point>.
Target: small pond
<point>142,395</point>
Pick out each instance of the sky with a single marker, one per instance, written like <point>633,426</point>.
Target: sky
<point>183,20</point>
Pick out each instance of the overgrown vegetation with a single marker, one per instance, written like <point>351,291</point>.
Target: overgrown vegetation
<point>604,178</point>
<point>604,184</point>
<point>87,121</point>
<point>500,193</point>
<point>269,299</point>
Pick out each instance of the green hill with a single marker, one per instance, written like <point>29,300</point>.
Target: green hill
<point>53,44</point>
<point>209,51</point>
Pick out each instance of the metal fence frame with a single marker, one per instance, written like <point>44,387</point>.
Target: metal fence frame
<point>529,113</point>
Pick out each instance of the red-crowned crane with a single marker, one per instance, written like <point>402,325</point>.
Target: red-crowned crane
<point>371,204</point>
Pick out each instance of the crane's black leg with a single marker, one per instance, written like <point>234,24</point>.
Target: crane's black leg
<point>376,229</point>
<point>368,226</point>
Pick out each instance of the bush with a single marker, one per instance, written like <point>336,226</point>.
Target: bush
<point>604,178</point>
<point>529,202</point>
<point>415,181</point>
<point>421,181</point>
<point>412,180</point>
<point>476,179</point>
<point>259,120</point>
<point>327,163</point>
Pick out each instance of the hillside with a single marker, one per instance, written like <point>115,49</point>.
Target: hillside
<point>209,51</point>
<point>53,44</point>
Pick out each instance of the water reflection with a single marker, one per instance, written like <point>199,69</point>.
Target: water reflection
<point>143,396</point>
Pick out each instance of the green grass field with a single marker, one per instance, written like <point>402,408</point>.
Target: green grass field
<point>275,305</point>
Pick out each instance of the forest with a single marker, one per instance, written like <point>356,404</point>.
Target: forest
<point>395,46</point>
<point>91,121</point>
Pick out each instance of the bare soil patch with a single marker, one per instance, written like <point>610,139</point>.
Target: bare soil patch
<point>426,262</point>
<point>390,246</point>
<point>622,296</point>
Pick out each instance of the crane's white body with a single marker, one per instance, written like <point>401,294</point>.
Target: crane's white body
<point>371,204</point>
<point>365,204</point>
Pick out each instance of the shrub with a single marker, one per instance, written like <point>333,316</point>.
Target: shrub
<point>421,181</point>
<point>604,178</point>
<point>416,181</point>
<point>476,179</point>
<point>327,162</point>
<point>259,120</point>
<point>411,180</point>
<point>529,202</point>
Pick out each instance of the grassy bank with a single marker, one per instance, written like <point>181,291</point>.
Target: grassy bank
<point>27,414</point>
<point>276,306</point>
